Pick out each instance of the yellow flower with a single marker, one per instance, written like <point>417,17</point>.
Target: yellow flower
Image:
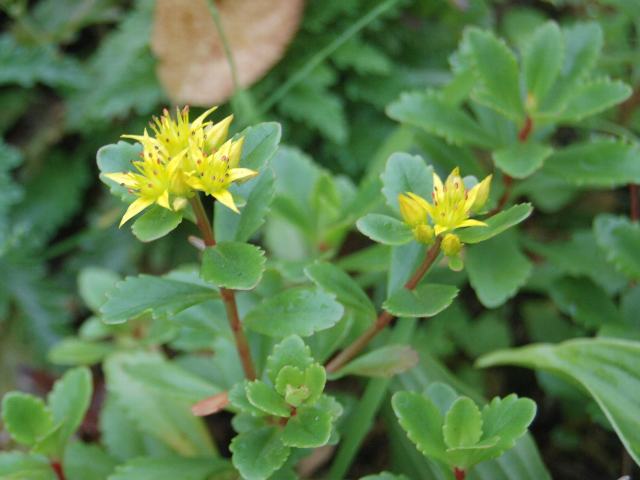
<point>151,182</point>
<point>215,172</point>
<point>483,194</point>
<point>453,204</point>
<point>413,209</point>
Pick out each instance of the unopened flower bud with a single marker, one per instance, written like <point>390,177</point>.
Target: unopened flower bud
<point>482,195</point>
<point>451,245</point>
<point>413,209</point>
<point>424,234</point>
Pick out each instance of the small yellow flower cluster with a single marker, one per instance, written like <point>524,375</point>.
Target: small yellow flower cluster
<point>182,158</point>
<point>451,208</point>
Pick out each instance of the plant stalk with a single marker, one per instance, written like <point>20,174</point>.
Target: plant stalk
<point>228,296</point>
<point>385,317</point>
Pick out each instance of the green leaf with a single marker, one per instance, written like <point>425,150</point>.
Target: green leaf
<point>155,223</point>
<point>25,466</point>
<point>497,269</point>
<point>542,60</point>
<point>462,424</point>
<point>265,398</point>
<point>383,362</point>
<point>114,158</point>
<point>234,265</point>
<point>337,282</point>
<point>508,419</point>
<point>598,164</point>
<point>406,173</point>
<point>384,229</point>
<point>69,401</point>
<point>26,418</point>
<point>584,301</point>
<point>74,351</point>
<point>258,453</point>
<point>422,422</point>
<point>497,69</point>
<point>606,368</point>
<point>260,144</point>
<point>496,224</point>
<point>87,462</point>
<point>161,295</point>
<point>289,352</point>
<point>158,412</point>
<point>423,301</point>
<point>593,97</point>
<point>309,428</point>
<point>93,285</point>
<point>172,468</point>
<point>385,476</point>
<point>297,311</point>
<point>520,160</point>
<point>430,112</point>
<point>619,238</point>
<point>583,43</point>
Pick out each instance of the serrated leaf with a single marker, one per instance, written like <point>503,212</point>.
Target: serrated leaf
<point>496,224</point>
<point>583,42</point>
<point>423,301</point>
<point>260,144</point>
<point>74,351</point>
<point>265,398</point>
<point>155,223</point>
<point>26,418</point>
<point>172,468</point>
<point>508,419</point>
<point>606,368</point>
<point>383,362</point>
<point>69,401</point>
<point>422,422</point>
<point>497,69</point>
<point>84,461</point>
<point>93,285</point>
<point>309,428</point>
<point>593,97</point>
<point>114,158</point>
<point>258,453</point>
<point>542,60</point>
<point>25,466</point>
<point>431,113</point>
<point>520,160</point>
<point>297,311</point>
<point>337,282</point>
<point>289,352</point>
<point>442,395</point>
<point>384,229</point>
<point>598,164</point>
<point>406,173</point>
<point>158,412</point>
<point>619,239</point>
<point>462,424</point>
<point>234,265</point>
<point>161,295</point>
<point>497,269</point>
<point>587,303</point>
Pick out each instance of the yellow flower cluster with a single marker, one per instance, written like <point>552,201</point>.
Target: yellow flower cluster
<point>182,158</point>
<point>451,207</point>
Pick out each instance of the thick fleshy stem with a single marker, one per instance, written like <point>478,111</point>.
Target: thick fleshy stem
<point>228,296</point>
<point>385,317</point>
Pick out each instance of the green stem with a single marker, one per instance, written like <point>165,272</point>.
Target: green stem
<point>323,54</point>
<point>359,423</point>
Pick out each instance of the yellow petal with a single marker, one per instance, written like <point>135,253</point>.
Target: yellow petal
<point>217,133</point>
<point>417,198</point>
<point>163,200</point>
<point>235,152</point>
<point>135,208</point>
<point>225,198</point>
<point>437,183</point>
<point>471,223</point>
<point>241,174</point>
<point>440,229</point>
<point>198,121</point>
<point>125,179</point>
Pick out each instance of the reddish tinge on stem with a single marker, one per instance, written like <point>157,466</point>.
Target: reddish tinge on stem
<point>526,130</point>
<point>459,473</point>
<point>57,467</point>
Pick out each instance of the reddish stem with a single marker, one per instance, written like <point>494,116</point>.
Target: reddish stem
<point>385,317</point>
<point>459,473</point>
<point>57,467</point>
<point>526,130</point>
<point>633,199</point>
